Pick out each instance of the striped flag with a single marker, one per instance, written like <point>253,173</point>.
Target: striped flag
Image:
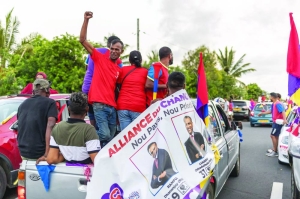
<point>202,94</point>
<point>293,64</point>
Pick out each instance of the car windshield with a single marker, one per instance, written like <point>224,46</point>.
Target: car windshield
<point>291,116</point>
<point>262,107</point>
<point>239,103</point>
<point>8,108</point>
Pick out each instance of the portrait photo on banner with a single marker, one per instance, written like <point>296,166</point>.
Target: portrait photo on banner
<point>191,137</point>
<point>155,163</point>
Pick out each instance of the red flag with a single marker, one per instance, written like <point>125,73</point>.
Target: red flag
<point>202,86</point>
<point>293,55</point>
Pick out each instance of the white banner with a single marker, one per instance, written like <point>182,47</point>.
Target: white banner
<point>164,153</point>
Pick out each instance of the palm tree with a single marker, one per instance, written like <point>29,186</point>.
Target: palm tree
<point>8,37</point>
<point>236,70</point>
<point>151,57</point>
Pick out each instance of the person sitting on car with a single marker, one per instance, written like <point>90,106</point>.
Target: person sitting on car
<point>29,88</point>
<point>74,140</point>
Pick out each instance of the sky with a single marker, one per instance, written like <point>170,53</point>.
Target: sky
<point>259,29</point>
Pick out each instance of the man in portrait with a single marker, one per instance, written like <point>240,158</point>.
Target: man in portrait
<point>162,169</point>
<point>194,145</point>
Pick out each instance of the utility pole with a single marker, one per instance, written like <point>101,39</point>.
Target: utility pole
<point>138,34</point>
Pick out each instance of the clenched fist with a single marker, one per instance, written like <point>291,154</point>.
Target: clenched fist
<point>88,15</point>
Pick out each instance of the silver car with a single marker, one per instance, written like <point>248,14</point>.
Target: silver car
<point>294,159</point>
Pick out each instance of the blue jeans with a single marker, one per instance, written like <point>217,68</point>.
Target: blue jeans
<point>126,117</point>
<point>106,120</point>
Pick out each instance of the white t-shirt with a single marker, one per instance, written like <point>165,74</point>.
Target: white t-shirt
<point>226,106</point>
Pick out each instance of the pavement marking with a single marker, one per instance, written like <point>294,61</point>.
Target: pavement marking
<point>277,190</point>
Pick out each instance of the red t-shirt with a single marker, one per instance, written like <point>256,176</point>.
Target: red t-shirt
<point>132,96</point>
<point>29,89</point>
<point>106,73</point>
<point>162,79</point>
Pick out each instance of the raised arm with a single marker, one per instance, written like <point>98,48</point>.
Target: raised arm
<point>83,32</point>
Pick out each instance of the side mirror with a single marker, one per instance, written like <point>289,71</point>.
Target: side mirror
<point>15,126</point>
<point>236,124</point>
<point>239,124</point>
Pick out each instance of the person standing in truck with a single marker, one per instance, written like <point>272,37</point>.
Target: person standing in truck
<point>102,90</point>
<point>89,75</point>
<point>132,83</point>
<point>159,69</point>
<point>36,118</point>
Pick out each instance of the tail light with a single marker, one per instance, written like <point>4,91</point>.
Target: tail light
<point>252,113</point>
<point>21,184</point>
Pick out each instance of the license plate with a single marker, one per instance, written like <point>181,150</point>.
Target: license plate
<point>237,109</point>
<point>263,121</point>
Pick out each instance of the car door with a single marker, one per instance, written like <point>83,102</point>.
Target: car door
<point>221,170</point>
<point>231,137</point>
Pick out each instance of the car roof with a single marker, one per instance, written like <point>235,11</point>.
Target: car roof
<point>264,103</point>
<point>240,100</point>
<point>23,97</point>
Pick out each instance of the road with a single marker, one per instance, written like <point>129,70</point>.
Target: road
<point>258,172</point>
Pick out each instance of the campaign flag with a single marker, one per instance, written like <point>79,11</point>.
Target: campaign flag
<point>155,83</point>
<point>293,64</point>
<point>202,94</point>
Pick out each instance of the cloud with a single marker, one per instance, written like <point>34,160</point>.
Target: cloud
<point>259,29</point>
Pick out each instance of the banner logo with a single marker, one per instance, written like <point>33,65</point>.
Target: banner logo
<point>115,192</point>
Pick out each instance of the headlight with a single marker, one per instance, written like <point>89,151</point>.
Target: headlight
<point>285,140</point>
<point>295,147</point>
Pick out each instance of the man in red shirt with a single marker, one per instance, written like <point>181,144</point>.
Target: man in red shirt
<point>278,113</point>
<point>102,90</point>
<point>161,67</point>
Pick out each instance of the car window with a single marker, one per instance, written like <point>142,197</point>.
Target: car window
<point>223,119</point>
<point>262,107</point>
<point>239,103</point>
<point>8,109</point>
<point>214,127</point>
<point>291,116</point>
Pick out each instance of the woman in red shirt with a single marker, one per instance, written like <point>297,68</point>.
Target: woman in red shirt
<point>132,97</point>
<point>29,88</point>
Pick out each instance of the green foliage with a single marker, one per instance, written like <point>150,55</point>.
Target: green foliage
<point>213,75</point>
<point>8,32</point>
<point>151,57</point>
<point>226,61</point>
<point>62,59</point>
<point>8,81</point>
<point>254,91</point>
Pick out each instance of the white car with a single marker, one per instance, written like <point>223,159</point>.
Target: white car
<point>283,141</point>
<point>294,157</point>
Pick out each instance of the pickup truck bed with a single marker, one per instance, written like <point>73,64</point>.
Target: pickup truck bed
<point>72,181</point>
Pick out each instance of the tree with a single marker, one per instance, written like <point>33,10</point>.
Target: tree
<point>62,59</point>
<point>8,37</point>
<point>8,81</point>
<point>236,70</point>
<point>151,57</point>
<point>254,91</point>
<point>213,75</point>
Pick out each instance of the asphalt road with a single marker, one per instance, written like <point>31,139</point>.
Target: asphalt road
<point>258,172</point>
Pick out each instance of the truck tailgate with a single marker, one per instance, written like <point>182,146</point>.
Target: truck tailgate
<point>65,182</point>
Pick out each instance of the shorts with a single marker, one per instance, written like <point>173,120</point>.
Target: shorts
<point>276,129</point>
<point>91,112</point>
